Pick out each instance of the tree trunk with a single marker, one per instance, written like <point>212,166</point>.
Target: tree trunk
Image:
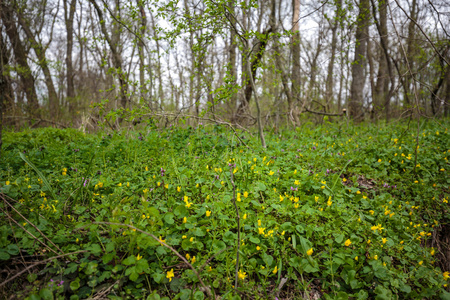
<point>68,18</point>
<point>116,57</point>
<point>141,45</point>
<point>259,50</point>
<point>23,69</point>
<point>359,62</point>
<point>447,96</point>
<point>330,76</point>
<point>232,56</point>
<point>42,62</point>
<point>295,49</point>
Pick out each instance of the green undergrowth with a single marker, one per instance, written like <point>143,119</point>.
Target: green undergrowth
<point>344,213</point>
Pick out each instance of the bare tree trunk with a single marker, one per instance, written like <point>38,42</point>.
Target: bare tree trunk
<point>68,18</point>
<point>116,56</point>
<point>371,73</point>
<point>295,49</point>
<point>143,25</point>
<point>330,75</point>
<point>447,96</point>
<point>42,62</point>
<point>232,55</point>
<point>23,69</point>
<point>259,50</point>
<point>411,46</point>
<point>359,63</point>
<point>383,94</point>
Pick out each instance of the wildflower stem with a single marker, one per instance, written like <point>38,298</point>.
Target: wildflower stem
<point>238,218</point>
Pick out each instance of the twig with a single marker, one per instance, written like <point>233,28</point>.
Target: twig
<point>38,263</point>
<point>208,290</point>
<point>12,219</point>
<point>322,113</point>
<point>423,32</point>
<point>211,258</point>
<point>34,226</point>
<point>39,120</point>
<point>238,218</point>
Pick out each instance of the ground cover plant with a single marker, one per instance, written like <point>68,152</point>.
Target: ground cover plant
<point>358,212</point>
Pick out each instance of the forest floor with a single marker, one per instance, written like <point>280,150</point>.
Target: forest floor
<point>331,212</point>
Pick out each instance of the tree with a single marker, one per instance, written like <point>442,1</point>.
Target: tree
<point>116,56</point>
<point>69,13</point>
<point>22,67</point>
<point>355,102</point>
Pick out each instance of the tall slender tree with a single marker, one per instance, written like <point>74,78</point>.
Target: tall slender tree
<point>69,13</point>
<point>355,103</point>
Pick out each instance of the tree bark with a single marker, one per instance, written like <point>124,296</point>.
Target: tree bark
<point>259,51</point>
<point>42,62</point>
<point>116,56</point>
<point>295,49</point>
<point>143,26</point>
<point>359,62</point>
<point>69,13</point>
<point>23,69</point>
<point>232,56</point>
<point>330,75</point>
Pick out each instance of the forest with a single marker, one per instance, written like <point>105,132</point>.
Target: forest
<point>222,149</point>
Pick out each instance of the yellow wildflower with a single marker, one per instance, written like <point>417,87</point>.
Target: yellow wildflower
<point>446,275</point>
<point>310,252</point>
<point>275,270</point>
<point>242,275</point>
<point>208,213</point>
<point>348,242</point>
<point>170,275</point>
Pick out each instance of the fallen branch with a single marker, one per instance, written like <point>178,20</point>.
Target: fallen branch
<point>38,263</point>
<point>34,226</point>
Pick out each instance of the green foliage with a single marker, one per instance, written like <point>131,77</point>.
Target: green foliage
<point>349,212</point>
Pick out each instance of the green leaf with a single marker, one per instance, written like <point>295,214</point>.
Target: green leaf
<point>198,295</point>
<point>141,265</point>
<point>31,277</point>
<point>72,267</point>
<point>254,240</point>
<point>129,260</point>
<point>46,294</point>
<point>268,259</point>
<point>382,293</point>
<point>4,255</point>
<point>95,249</point>
<point>12,249</point>
<point>168,218</point>
<point>43,178</point>
<point>75,285</point>
<point>158,277</point>
<point>445,295</point>
<point>154,296</point>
